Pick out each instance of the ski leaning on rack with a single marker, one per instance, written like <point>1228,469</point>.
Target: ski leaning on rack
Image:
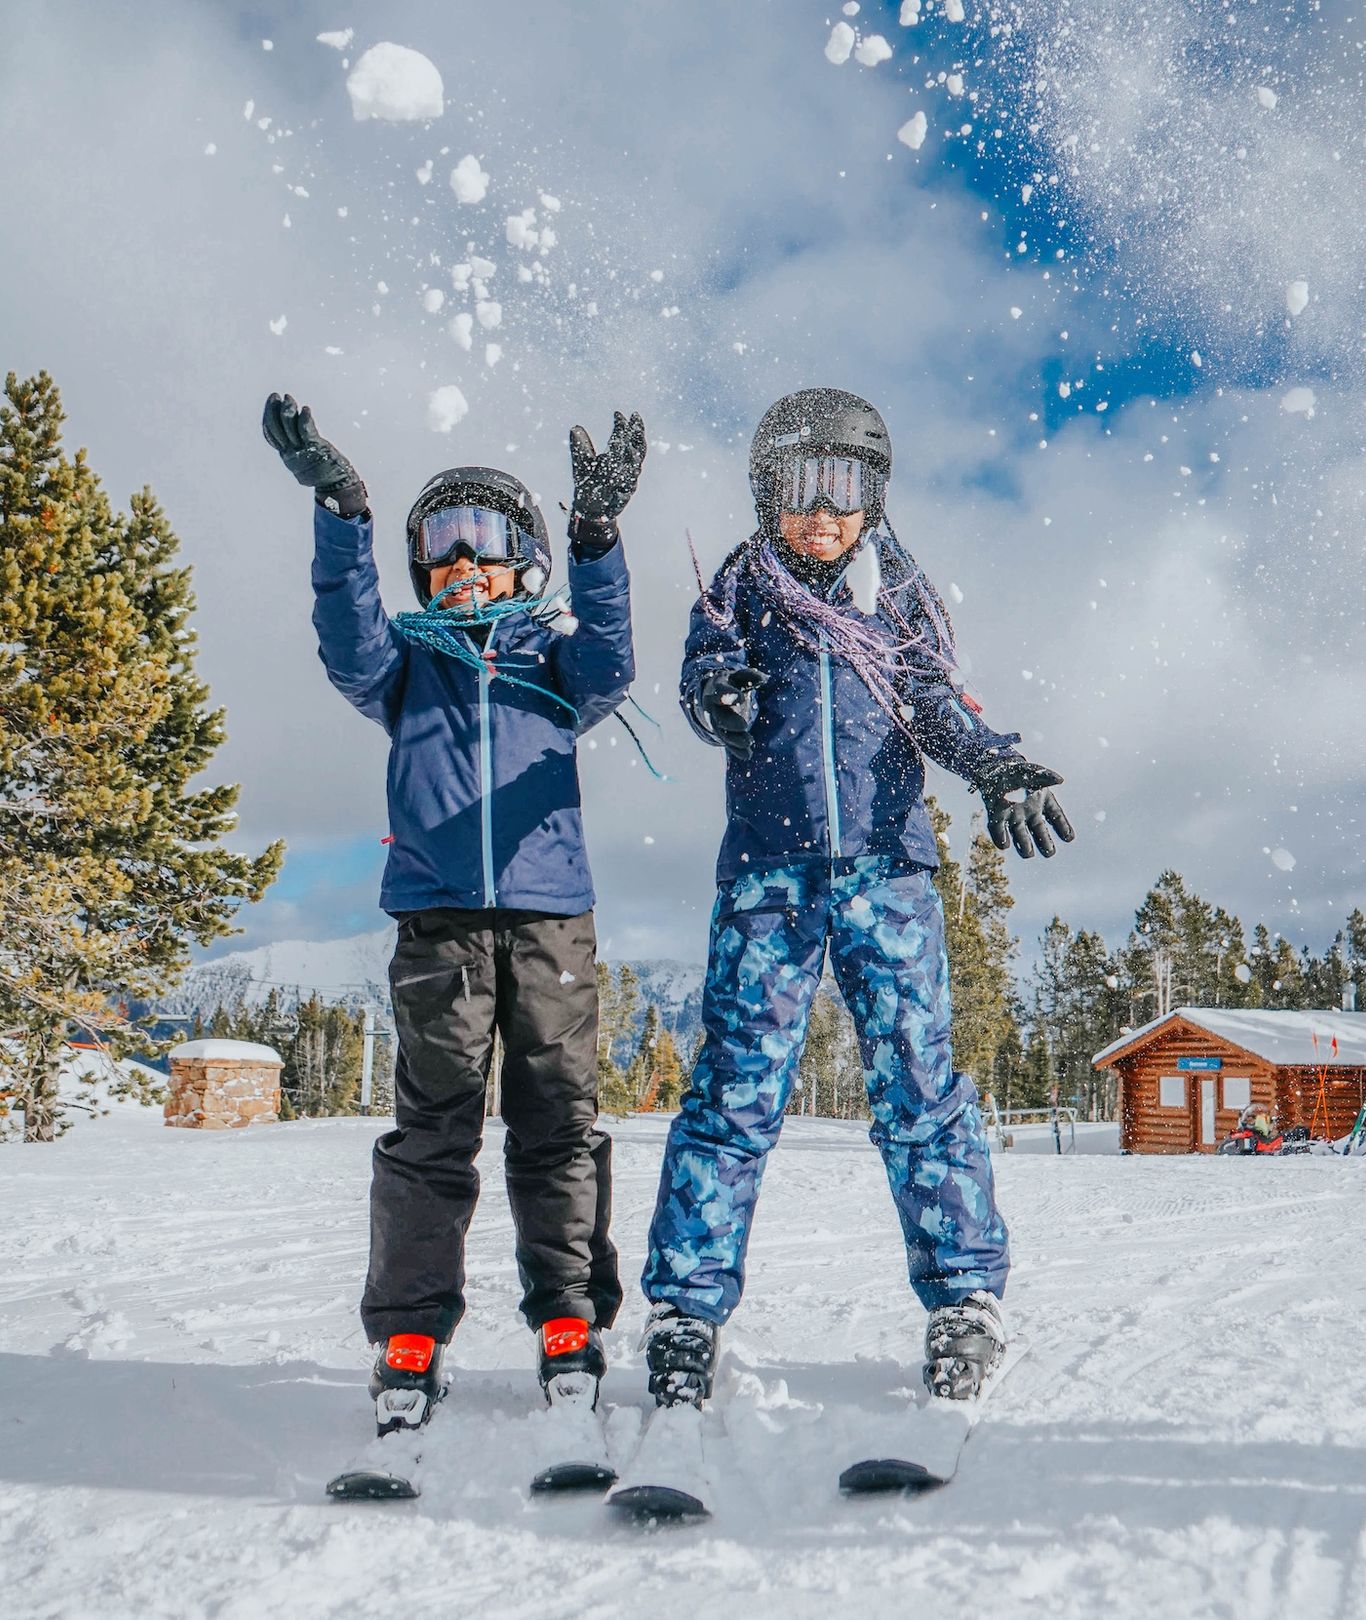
<point>924,1446</point>
<point>667,1476</point>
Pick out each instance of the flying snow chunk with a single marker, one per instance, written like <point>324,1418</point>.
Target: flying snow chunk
<point>462,330</point>
<point>1015,312</point>
<point>850,8</point>
<point>955,84</point>
<point>953,10</point>
<point>955,592</point>
<point>840,43</point>
<point>656,275</point>
<point>338,39</point>
<point>433,299</point>
<point>488,313</point>
<point>493,353</point>
<point>445,407</point>
<point>1243,973</point>
<point>1299,402</point>
<point>394,83</point>
<point>521,229</point>
<point>1064,389</point>
<point>912,132</point>
<point>566,977</point>
<point>1283,859</point>
<point>424,174</point>
<point>549,203</point>
<point>872,50</point>
<point>1297,297</point>
<point>468,181</point>
<point>864,578</point>
<point>910,13</point>
<point>1267,97</point>
<point>278,326</point>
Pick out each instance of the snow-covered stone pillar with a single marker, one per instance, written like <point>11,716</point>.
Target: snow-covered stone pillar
<point>218,1085</point>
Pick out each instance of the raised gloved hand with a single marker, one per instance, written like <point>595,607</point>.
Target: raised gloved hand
<point>290,432</point>
<point>729,701</point>
<point>1022,821</point>
<point>604,483</point>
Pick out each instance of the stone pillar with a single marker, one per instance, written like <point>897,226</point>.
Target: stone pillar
<point>219,1085</point>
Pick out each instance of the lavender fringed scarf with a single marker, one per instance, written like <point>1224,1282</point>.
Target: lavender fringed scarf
<point>920,644</point>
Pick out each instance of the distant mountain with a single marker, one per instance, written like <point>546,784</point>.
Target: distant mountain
<point>356,971</point>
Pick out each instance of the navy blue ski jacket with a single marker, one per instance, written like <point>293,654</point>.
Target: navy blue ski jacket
<point>830,775</point>
<point>483,780</point>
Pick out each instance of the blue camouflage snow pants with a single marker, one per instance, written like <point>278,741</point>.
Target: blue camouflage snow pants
<point>885,928</point>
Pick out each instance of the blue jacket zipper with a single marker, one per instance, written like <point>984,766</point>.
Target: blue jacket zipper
<point>486,769</point>
<point>832,802</point>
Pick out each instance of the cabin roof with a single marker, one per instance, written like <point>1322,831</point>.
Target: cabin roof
<point>1286,1039</point>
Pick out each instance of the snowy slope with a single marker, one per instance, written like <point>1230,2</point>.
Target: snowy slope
<point>181,1367</point>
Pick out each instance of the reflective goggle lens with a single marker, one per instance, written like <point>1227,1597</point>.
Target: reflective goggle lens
<point>486,535</point>
<point>839,482</point>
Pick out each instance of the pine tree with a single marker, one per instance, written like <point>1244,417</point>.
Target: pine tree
<point>669,1080</point>
<point>110,866</point>
<point>640,1072</point>
<point>980,947</point>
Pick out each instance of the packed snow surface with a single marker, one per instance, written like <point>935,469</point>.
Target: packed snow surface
<point>396,83</point>
<point>183,1369</point>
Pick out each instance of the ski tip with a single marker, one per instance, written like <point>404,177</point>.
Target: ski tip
<point>574,1476</point>
<point>367,1486</point>
<point>658,1502</point>
<point>887,1474</point>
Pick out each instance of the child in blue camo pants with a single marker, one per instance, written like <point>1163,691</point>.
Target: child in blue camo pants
<point>822,661</point>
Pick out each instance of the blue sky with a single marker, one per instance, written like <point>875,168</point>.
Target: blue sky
<point>1176,633</point>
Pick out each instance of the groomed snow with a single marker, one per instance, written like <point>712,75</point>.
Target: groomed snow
<point>182,1368</point>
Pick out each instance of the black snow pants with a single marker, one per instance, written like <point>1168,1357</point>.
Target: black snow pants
<point>455,977</point>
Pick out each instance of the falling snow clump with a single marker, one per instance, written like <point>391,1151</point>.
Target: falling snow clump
<point>396,84</point>
<point>445,407</point>
<point>469,182</point>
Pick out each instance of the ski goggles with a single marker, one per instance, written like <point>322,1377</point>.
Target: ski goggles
<point>482,534</point>
<point>844,484</point>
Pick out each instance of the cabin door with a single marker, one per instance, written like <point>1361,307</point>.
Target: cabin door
<point>1207,1139</point>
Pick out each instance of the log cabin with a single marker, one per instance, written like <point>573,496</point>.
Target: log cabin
<point>1185,1078</point>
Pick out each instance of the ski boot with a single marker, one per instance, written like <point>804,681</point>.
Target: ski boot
<point>406,1383</point>
<point>964,1344</point>
<point>681,1353</point>
<point>571,1362</point>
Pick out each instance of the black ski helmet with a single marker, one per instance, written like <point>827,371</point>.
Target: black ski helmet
<point>817,421</point>
<point>479,486</point>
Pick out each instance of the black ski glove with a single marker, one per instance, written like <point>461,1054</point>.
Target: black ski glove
<point>729,701</point>
<point>604,483</point>
<point>1023,822</point>
<point>290,432</point>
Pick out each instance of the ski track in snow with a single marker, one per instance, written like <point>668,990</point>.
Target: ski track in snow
<point>183,1368</point>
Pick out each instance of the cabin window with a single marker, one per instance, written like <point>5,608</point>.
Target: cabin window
<point>1171,1091</point>
<point>1237,1092</point>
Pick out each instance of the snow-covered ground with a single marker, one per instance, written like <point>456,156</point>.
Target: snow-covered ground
<point>181,1368</point>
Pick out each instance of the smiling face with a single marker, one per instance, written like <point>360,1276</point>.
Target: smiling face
<point>821,535</point>
<point>477,585</point>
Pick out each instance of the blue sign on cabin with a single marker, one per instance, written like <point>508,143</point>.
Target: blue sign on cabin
<point>1200,1063</point>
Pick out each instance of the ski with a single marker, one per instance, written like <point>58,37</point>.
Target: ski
<point>928,1445</point>
<point>667,1476</point>
<point>570,1434</point>
<point>390,1467</point>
